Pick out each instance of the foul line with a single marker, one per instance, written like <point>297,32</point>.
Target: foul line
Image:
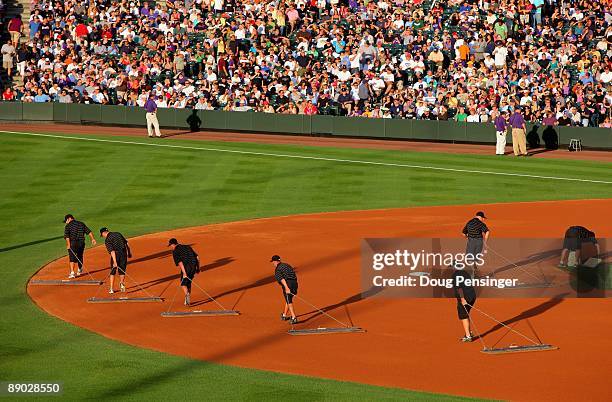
<point>316,158</point>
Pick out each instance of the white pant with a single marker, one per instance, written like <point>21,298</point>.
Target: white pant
<point>152,123</point>
<point>500,147</point>
<point>21,68</point>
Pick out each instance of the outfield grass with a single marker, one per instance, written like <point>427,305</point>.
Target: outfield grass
<point>138,189</point>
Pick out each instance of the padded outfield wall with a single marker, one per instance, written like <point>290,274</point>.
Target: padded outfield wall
<point>337,126</point>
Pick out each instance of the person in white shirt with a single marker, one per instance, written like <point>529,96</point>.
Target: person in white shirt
<point>354,60</point>
<point>377,85</point>
<point>473,117</point>
<point>343,75</point>
<point>606,76</point>
<point>189,88</point>
<point>500,53</point>
<point>161,102</point>
<point>240,32</point>
<point>290,64</point>
<point>575,116</point>
<point>488,61</point>
<point>525,99</point>
<point>218,5</point>
<point>398,23</point>
<point>386,113</point>
<point>491,18</point>
<point>202,104</point>
<point>211,76</point>
<point>419,66</point>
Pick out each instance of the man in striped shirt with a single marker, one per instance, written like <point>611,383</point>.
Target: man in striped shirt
<point>189,263</point>
<point>477,234</point>
<point>287,279</point>
<point>574,237</point>
<point>117,247</point>
<point>74,234</point>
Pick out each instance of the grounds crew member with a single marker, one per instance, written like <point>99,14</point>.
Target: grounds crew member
<point>117,247</point>
<point>466,297</point>
<point>477,234</point>
<point>287,279</point>
<point>574,237</point>
<point>189,263</point>
<point>74,234</point>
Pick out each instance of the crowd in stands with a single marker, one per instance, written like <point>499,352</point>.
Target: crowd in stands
<point>463,60</point>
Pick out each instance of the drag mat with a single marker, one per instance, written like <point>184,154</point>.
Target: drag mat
<point>409,343</point>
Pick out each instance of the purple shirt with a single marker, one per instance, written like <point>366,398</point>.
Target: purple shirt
<point>150,106</point>
<point>517,120</point>
<point>549,121</point>
<point>500,123</point>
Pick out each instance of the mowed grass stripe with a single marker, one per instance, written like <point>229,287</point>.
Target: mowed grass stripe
<point>319,158</point>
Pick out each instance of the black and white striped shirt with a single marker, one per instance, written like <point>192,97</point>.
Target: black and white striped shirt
<point>475,228</point>
<point>185,254</point>
<point>284,271</point>
<point>75,231</point>
<point>115,242</point>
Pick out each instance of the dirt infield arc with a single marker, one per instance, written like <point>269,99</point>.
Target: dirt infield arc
<point>410,344</point>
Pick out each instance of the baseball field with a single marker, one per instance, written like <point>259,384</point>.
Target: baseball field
<point>237,203</point>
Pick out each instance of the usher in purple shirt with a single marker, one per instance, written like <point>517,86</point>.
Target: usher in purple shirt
<point>516,120</point>
<point>500,123</point>
<point>150,106</point>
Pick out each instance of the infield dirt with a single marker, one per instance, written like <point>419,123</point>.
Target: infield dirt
<point>409,343</point>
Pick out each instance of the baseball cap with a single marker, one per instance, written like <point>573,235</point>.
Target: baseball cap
<point>481,214</point>
<point>68,216</point>
<point>172,241</point>
<point>102,230</point>
<point>275,258</point>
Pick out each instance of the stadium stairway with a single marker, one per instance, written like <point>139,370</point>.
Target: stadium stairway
<point>13,8</point>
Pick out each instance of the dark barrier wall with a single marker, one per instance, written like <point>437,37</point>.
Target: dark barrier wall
<point>430,130</point>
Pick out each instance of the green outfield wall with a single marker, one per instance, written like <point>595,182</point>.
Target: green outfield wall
<point>337,126</point>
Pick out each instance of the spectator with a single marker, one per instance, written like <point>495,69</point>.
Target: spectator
<point>278,57</point>
<point>8,94</point>
<point>64,97</point>
<point>41,97</point>
<point>15,27</point>
<point>8,55</point>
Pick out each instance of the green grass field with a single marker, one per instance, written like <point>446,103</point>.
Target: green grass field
<point>139,189</point>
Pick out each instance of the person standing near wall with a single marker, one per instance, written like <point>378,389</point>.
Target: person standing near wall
<point>519,139</point>
<point>500,133</point>
<point>150,107</point>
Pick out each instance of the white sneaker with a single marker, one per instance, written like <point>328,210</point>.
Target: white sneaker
<point>122,286</point>
<point>71,276</point>
<point>111,291</point>
<point>80,272</point>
